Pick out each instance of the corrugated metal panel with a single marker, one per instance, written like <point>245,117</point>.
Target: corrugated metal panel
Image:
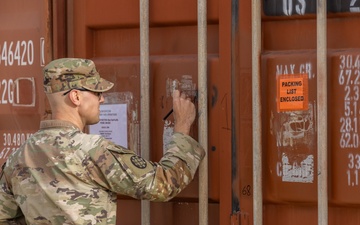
<point>113,42</point>
<point>289,103</point>
<point>25,47</point>
<point>289,47</point>
<point>109,34</point>
<point>345,155</point>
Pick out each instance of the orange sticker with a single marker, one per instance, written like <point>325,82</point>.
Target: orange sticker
<point>292,92</point>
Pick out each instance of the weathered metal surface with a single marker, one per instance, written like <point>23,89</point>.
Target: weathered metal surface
<point>289,43</point>
<point>289,131</point>
<point>108,32</point>
<point>25,47</point>
<point>114,44</point>
<point>344,127</point>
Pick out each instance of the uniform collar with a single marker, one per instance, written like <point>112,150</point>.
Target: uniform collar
<point>57,123</point>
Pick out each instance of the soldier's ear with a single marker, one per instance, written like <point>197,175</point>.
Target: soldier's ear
<point>75,97</point>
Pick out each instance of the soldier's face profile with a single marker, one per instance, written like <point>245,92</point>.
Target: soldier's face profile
<point>90,107</point>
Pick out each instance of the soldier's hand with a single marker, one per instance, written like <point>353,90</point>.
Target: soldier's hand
<point>184,112</point>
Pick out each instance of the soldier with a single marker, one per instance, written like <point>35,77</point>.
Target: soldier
<point>61,175</point>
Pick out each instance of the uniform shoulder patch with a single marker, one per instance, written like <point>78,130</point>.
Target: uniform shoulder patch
<point>138,162</point>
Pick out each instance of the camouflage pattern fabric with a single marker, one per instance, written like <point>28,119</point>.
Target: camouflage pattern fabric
<point>63,176</point>
<point>71,73</point>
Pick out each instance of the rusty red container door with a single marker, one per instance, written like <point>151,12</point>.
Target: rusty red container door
<point>24,50</point>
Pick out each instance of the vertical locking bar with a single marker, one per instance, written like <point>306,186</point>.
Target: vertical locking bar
<point>203,113</point>
<point>144,97</point>
<point>322,112</point>
<point>256,115</point>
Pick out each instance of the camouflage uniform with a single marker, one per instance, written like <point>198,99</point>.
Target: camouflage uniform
<point>64,176</point>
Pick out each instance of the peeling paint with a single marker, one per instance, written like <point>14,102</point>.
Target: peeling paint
<point>185,85</point>
<point>295,136</point>
<point>295,127</point>
<point>302,172</point>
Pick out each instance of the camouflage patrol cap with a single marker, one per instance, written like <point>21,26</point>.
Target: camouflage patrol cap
<point>71,73</point>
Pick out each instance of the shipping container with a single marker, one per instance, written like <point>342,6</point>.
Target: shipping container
<point>276,84</point>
